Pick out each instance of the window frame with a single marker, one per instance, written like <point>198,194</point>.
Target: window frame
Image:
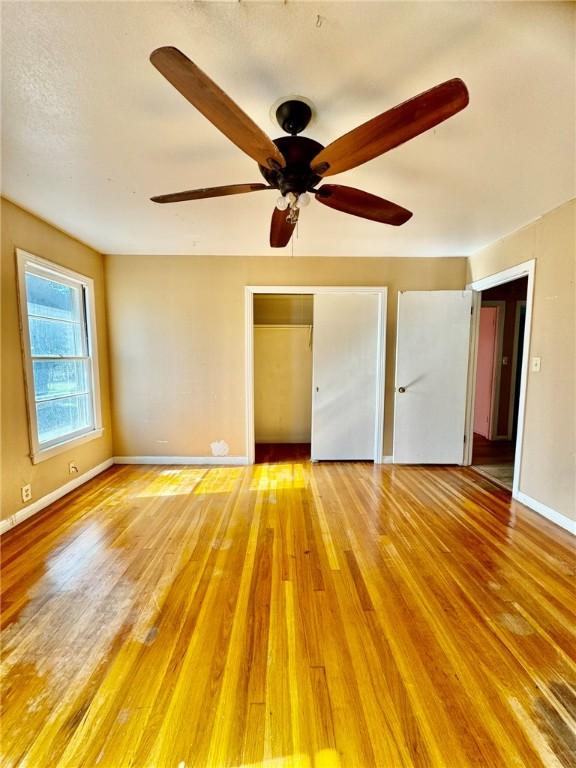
<point>45,268</point>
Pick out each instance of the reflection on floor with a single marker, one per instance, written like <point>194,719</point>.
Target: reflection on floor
<point>272,453</point>
<point>494,459</point>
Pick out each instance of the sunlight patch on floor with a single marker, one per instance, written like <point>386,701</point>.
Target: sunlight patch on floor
<point>173,482</point>
<point>278,477</point>
<point>219,480</point>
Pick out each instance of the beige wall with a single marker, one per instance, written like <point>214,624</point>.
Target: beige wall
<point>282,384</point>
<point>21,229</point>
<point>177,339</point>
<point>548,468</point>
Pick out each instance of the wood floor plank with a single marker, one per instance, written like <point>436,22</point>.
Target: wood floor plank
<point>332,615</point>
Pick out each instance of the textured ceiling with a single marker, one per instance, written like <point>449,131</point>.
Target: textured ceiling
<point>91,130</point>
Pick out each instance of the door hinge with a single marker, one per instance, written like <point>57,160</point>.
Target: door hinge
<point>464,438</point>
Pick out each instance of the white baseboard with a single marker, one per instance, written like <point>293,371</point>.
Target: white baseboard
<point>5,525</point>
<point>387,460</point>
<point>208,460</point>
<point>547,512</point>
<point>39,504</point>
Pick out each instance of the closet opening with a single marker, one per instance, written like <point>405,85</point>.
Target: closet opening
<point>282,345</point>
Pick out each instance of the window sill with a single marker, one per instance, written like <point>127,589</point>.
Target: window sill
<point>66,445</point>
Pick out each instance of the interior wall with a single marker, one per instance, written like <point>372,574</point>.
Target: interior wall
<point>21,229</point>
<point>486,361</point>
<point>282,383</point>
<point>548,465</point>
<point>177,339</point>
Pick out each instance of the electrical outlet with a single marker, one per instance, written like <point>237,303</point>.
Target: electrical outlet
<point>535,367</point>
<point>26,491</point>
<point>73,468</point>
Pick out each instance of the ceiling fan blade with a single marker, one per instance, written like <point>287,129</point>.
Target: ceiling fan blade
<point>216,106</point>
<point>201,194</point>
<point>363,204</point>
<point>392,128</point>
<point>280,229</point>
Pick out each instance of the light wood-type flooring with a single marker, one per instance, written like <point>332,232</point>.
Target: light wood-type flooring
<point>290,614</point>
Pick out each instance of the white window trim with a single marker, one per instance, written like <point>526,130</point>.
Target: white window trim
<point>38,453</point>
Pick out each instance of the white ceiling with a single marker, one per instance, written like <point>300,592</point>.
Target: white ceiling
<point>91,130</point>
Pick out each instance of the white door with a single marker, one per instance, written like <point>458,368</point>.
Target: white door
<point>346,358</point>
<point>433,340</point>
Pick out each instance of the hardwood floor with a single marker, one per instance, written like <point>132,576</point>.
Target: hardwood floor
<point>288,615</point>
<point>492,451</point>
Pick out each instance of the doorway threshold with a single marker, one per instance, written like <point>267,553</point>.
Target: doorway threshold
<point>280,453</point>
<point>500,474</point>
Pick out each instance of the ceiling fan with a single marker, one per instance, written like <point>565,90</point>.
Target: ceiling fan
<point>295,165</point>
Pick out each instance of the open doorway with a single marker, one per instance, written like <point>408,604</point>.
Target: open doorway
<point>502,310</point>
<point>282,376</point>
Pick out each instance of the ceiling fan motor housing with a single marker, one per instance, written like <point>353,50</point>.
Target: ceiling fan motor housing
<point>293,116</point>
<point>296,176</point>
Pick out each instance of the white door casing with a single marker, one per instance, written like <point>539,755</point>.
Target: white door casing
<point>251,290</point>
<point>433,339</point>
<point>524,269</point>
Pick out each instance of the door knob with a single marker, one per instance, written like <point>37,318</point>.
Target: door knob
<point>401,389</point>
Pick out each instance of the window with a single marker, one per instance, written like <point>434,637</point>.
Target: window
<point>60,360</point>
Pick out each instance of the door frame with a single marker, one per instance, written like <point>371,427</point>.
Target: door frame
<point>251,290</point>
<point>512,404</point>
<point>525,269</point>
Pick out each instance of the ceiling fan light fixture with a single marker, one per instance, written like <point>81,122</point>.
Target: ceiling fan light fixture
<point>282,203</point>
<point>293,214</point>
<point>303,200</point>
